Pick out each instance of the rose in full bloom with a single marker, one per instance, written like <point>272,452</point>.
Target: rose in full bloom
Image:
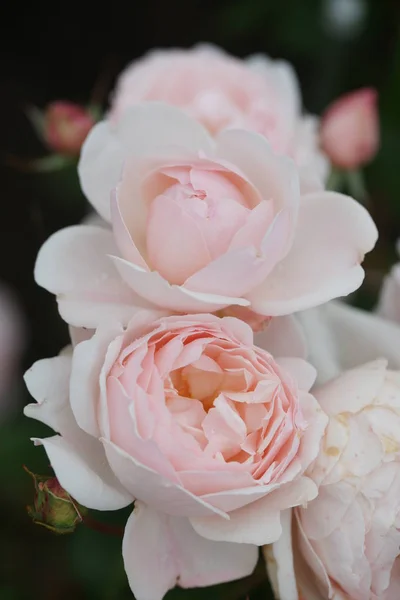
<point>199,224</point>
<point>209,434</point>
<point>350,129</point>
<point>347,541</point>
<point>66,127</point>
<point>221,91</point>
<point>389,302</point>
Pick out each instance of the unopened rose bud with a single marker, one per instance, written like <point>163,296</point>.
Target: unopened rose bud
<point>66,127</point>
<point>350,129</point>
<point>53,507</point>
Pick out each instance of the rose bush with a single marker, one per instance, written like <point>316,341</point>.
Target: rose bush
<point>208,434</point>
<point>199,224</point>
<point>346,542</point>
<point>221,91</point>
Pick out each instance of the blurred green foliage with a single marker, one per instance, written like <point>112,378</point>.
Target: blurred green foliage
<point>330,59</point>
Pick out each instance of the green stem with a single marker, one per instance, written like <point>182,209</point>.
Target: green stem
<point>356,185</point>
<point>335,180</point>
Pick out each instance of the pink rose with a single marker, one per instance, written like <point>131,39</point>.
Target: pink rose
<point>66,126</point>
<point>389,302</point>
<point>199,224</point>
<point>207,433</point>
<point>347,541</point>
<point>221,91</point>
<point>350,129</point>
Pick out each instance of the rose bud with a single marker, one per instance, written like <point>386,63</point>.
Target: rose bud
<point>350,129</point>
<point>66,126</point>
<point>53,507</point>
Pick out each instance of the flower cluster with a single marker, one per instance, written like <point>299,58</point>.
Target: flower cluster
<point>186,391</point>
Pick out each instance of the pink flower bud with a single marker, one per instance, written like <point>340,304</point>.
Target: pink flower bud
<point>66,126</point>
<point>53,507</point>
<point>350,129</point>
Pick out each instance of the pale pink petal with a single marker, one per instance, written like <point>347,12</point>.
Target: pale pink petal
<point>279,560</point>
<point>354,390</point>
<point>259,522</point>
<point>81,467</point>
<point>343,232</point>
<point>87,362</point>
<point>214,484</point>
<point>158,492</point>
<point>149,562</point>
<point>238,329</point>
<point>155,543</point>
<point>317,422</point>
<point>145,128</point>
<point>250,524</point>
<point>73,264</point>
<point>313,582</point>
<point>48,382</point>
<point>301,371</point>
<point>153,288</point>
<point>275,177</point>
<point>175,243</point>
<point>100,166</point>
<point>237,498</point>
<point>122,236</point>
<point>283,336</point>
<point>341,337</point>
<point>233,274</point>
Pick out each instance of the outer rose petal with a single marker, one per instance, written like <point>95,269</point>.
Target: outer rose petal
<point>87,362</point>
<point>257,523</point>
<point>48,382</point>
<point>343,232</point>
<point>77,458</point>
<point>73,264</point>
<point>161,551</point>
<point>153,489</point>
<point>157,291</point>
<point>283,336</point>
<point>341,337</point>
<point>82,470</point>
<point>100,167</point>
<point>279,560</point>
<point>139,131</point>
<point>302,372</point>
<point>274,176</point>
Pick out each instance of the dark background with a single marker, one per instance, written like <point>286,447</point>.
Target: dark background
<point>59,51</point>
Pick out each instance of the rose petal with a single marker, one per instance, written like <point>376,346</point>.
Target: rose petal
<point>73,264</point>
<point>279,559</point>
<point>87,362</point>
<point>169,546</point>
<point>259,522</point>
<point>341,337</point>
<point>48,382</point>
<point>82,469</point>
<point>302,372</point>
<point>156,491</point>
<point>343,232</point>
<point>159,292</point>
<point>283,336</point>
<point>100,166</point>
